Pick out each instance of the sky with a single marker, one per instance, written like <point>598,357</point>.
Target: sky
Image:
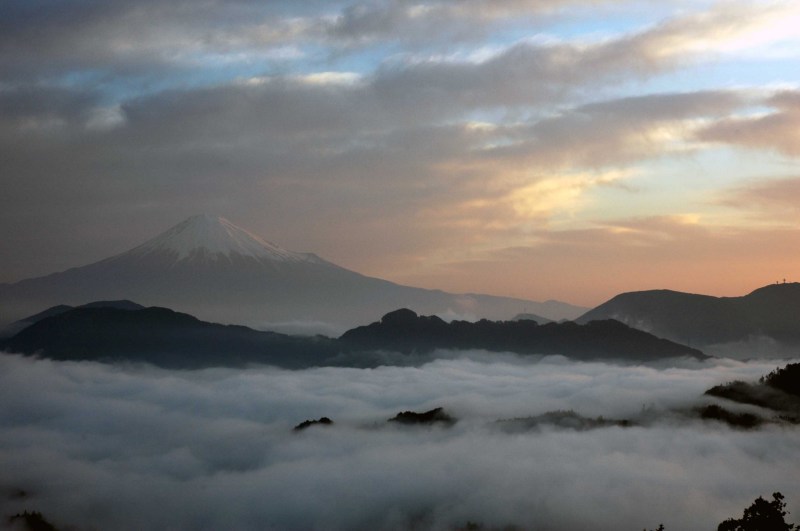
<point>544,149</point>
<point>100,446</point>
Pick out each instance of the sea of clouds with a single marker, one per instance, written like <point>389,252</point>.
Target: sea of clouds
<point>97,446</point>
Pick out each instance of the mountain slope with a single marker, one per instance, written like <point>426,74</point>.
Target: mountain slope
<point>772,311</point>
<point>208,237</point>
<point>162,337</point>
<point>211,268</point>
<point>177,340</point>
<point>25,322</point>
<point>405,331</point>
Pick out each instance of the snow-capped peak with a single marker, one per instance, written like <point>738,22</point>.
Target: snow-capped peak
<point>214,235</point>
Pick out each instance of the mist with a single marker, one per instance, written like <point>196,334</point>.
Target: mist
<point>97,446</point>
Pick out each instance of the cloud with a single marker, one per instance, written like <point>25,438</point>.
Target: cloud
<point>135,447</point>
<point>436,21</point>
<point>328,125</point>
<point>142,38</point>
<point>591,264</point>
<point>614,132</point>
<point>103,35</point>
<point>726,27</point>
<point>778,130</point>
<point>159,44</point>
<point>325,165</point>
<point>772,198</point>
<point>137,38</point>
<point>44,109</point>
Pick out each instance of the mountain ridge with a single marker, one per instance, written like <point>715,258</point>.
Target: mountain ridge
<point>162,337</point>
<point>171,339</point>
<point>771,311</point>
<point>18,326</point>
<point>211,268</point>
<point>404,331</point>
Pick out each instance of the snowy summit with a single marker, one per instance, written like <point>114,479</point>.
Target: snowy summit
<point>213,235</point>
<point>218,272</point>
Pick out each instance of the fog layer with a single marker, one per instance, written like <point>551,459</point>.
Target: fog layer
<point>108,447</point>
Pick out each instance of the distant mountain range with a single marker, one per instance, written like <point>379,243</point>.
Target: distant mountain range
<point>405,331</point>
<point>127,332</point>
<point>211,268</point>
<point>208,267</point>
<point>701,320</point>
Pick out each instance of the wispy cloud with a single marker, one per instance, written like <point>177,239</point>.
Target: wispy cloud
<point>455,125</point>
<point>680,252</point>
<point>770,199</point>
<point>777,130</point>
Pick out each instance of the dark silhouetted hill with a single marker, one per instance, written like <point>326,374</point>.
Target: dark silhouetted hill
<point>778,391</point>
<point>772,311</point>
<point>786,379</point>
<point>405,331</point>
<point>30,521</point>
<point>746,421</point>
<point>323,421</point>
<point>434,416</point>
<point>527,316</point>
<point>162,337</point>
<point>17,326</point>
<point>761,516</point>
<point>128,332</point>
<point>560,419</point>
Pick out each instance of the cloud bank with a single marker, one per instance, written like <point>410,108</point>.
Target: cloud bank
<point>101,447</point>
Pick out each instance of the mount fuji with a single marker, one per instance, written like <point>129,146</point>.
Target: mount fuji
<point>220,272</point>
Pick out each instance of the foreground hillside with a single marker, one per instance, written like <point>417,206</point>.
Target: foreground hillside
<point>171,339</point>
<point>778,391</point>
<point>163,337</point>
<point>770,312</point>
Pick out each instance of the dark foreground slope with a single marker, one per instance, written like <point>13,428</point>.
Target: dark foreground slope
<point>778,391</point>
<point>165,338</point>
<point>177,340</point>
<point>405,331</point>
<point>25,322</point>
<point>772,311</point>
